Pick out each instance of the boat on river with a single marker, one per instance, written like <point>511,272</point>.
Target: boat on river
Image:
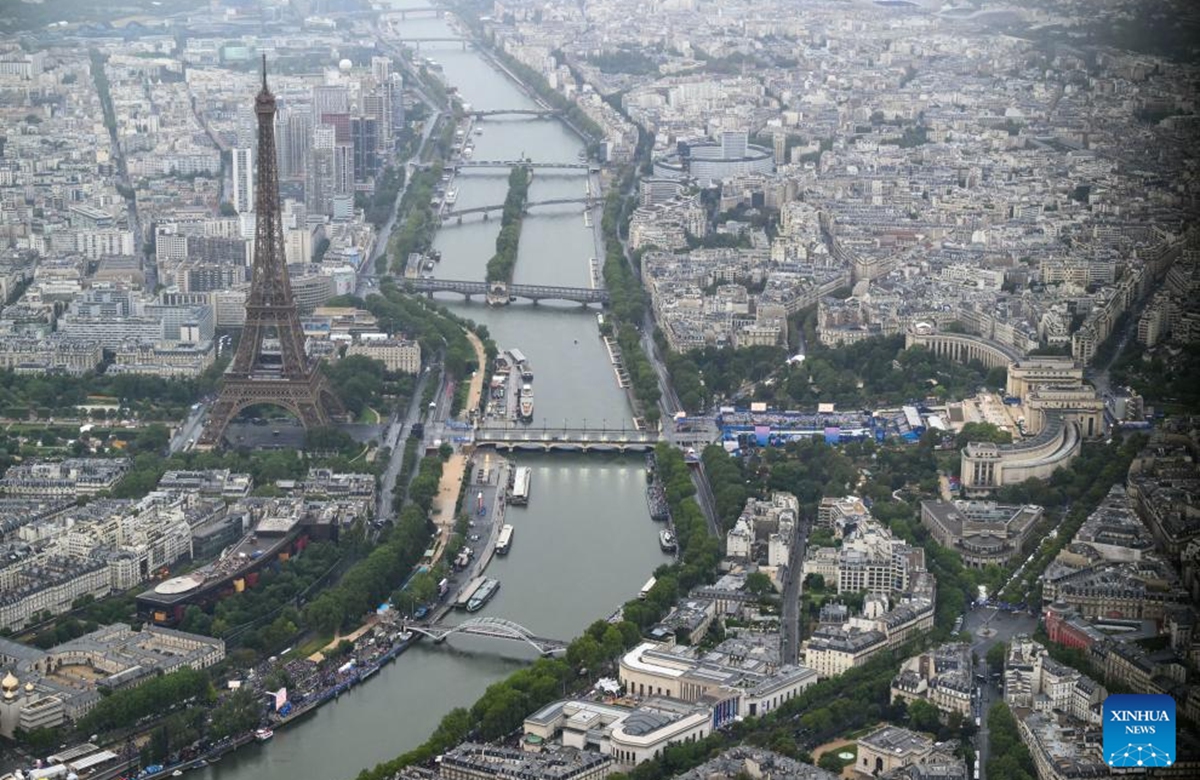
<point>656,498</point>
<point>262,735</point>
<point>666,540</point>
<point>525,403</point>
<point>504,543</point>
<point>483,595</point>
<point>520,489</point>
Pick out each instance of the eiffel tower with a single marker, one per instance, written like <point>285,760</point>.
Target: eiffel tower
<point>287,378</point>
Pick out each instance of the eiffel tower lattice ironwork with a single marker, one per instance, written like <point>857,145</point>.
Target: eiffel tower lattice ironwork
<point>287,379</point>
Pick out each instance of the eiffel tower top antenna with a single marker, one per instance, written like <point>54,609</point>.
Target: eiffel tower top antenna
<point>264,71</point>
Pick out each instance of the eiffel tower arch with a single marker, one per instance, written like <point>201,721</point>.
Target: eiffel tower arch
<point>285,377</point>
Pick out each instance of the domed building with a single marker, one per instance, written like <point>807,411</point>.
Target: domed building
<point>26,708</point>
<point>46,688</point>
<point>9,686</point>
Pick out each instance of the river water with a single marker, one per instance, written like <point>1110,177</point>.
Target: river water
<point>585,542</point>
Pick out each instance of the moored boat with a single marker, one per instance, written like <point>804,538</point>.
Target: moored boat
<point>525,403</point>
<point>483,595</point>
<point>519,496</point>
<point>504,543</point>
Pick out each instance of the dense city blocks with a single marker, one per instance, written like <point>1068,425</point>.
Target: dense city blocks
<point>602,390</point>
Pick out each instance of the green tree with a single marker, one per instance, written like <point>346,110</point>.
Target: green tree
<point>237,714</point>
<point>759,584</point>
<point>996,654</point>
<point>830,762</point>
<point>983,432</point>
<point>923,716</point>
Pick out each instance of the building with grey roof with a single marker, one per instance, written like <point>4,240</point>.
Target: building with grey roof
<point>16,513</point>
<point>1061,750</point>
<point>941,764</point>
<point>46,688</point>
<point>889,748</point>
<point>748,761</point>
<point>69,477</point>
<point>213,482</point>
<point>1035,681</point>
<point>834,650</point>
<point>752,684</point>
<point>631,735</point>
<point>470,761</point>
<point>1114,530</point>
<point>47,582</point>
<point>941,676</point>
<point>1137,590</point>
<point>982,532</point>
<point>688,621</point>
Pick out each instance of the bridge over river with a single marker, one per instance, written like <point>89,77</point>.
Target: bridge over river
<point>534,112</point>
<point>492,628</point>
<point>539,166</point>
<point>546,439</point>
<point>587,201</point>
<point>498,293</point>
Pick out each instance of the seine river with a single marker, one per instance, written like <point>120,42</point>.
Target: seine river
<point>585,543</point>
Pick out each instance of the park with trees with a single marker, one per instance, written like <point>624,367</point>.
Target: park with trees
<point>500,266</point>
<point>869,373</point>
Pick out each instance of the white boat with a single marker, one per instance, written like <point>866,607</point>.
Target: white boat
<point>505,541</point>
<point>451,197</point>
<point>525,403</point>
<point>520,489</point>
<point>262,735</point>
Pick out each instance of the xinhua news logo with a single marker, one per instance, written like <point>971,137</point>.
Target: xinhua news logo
<point>1139,730</point>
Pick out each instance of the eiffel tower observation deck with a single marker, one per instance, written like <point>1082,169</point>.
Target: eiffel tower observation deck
<point>285,377</point>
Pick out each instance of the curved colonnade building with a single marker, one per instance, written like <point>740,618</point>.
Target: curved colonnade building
<point>1061,410</point>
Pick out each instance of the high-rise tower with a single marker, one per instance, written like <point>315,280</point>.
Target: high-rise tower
<point>243,180</point>
<point>258,375</point>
